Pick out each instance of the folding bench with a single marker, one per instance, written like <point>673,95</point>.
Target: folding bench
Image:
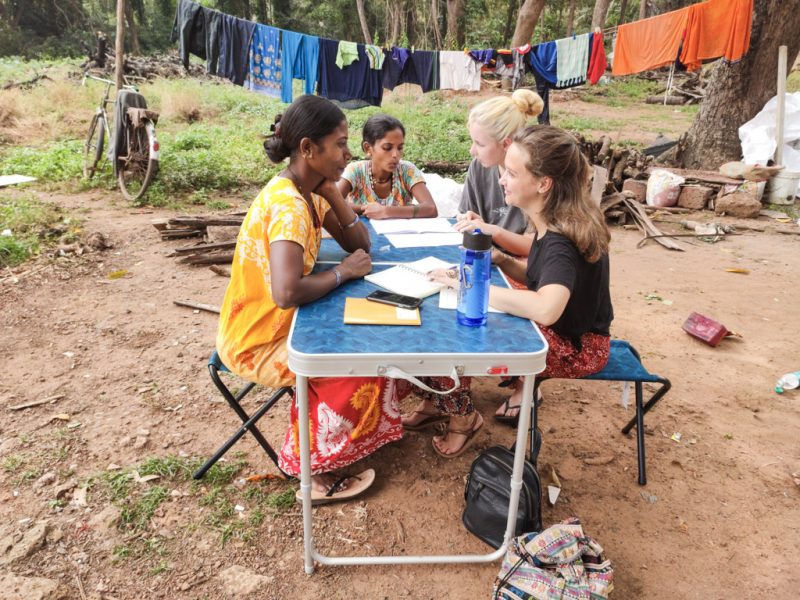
<point>624,364</point>
<point>215,366</point>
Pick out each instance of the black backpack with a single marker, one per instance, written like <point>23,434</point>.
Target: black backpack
<point>488,491</point>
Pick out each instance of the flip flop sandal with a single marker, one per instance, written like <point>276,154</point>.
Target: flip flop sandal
<point>513,420</point>
<point>505,417</point>
<point>469,433</point>
<point>430,419</point>
<point>335,494</point>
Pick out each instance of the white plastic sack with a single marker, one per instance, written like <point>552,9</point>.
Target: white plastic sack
<point>663,188</point>
<point>446,193</point>
<point>758,134</point>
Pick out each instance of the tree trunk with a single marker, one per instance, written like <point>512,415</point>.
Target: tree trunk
<point>362,17</point>
<point>437,31</point>
<point>261,11</point>
<point>737,92</point>
<point>623,8</point>
<point>571,17</point>
<point>119,45</point>
<point>455,24</point>
<point>642,9</point>
<point>133,27</point>
<point>100,49</point>
<point>393,10</point>
<point>512,8</point>
<point>526,21</point>
<point>599,14</point>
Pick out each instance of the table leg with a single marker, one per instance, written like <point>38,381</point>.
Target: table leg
<point>301,397</point>
<point>519,455</point>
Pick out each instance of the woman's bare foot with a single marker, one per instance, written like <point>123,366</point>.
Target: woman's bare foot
<point>424,413</point>
<point>460,431</point>
<point>323,482</point>
<point>510,408</point>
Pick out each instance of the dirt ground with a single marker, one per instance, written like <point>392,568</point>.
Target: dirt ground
<point>719,517</point>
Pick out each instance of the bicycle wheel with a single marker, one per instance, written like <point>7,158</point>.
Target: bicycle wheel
<point>93,148</point>
<point>136,170</point>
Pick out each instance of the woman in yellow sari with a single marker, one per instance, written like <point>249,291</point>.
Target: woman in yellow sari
<point>271,275</point>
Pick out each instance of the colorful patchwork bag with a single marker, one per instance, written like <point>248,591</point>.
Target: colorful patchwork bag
<point>560,563</point>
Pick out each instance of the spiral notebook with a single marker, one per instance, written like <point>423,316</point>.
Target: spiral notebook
<point>410,279</point>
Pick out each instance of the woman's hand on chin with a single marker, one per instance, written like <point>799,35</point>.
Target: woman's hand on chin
<point>327,189</point>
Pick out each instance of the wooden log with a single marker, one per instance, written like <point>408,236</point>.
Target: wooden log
<point>221,271</point>
<point>443,166</point>
<point>701,176</point>
<point>197,306</point>
<point>203,222</point>
<point>646,225</point>
<point>209,259</point>
<point>202,248</point>
<point>671,100</point>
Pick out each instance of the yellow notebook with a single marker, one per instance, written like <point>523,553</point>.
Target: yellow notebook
<point>360,311</point>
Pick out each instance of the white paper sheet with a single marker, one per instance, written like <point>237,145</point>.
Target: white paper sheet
<point>14,179</point>
<point>387,226</point>
<point>448,299</point>
<point>422,240</point>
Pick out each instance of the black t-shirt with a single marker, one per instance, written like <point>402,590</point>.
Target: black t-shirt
<point>555,259</point>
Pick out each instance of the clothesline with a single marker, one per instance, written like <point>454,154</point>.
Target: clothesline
<point>266,59</point>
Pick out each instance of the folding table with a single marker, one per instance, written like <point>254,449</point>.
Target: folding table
<point>320,345</point>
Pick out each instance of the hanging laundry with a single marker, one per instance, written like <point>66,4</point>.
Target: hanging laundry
<point>543,60</point>
<point>518,57</point>
<point>572,60</point>
<point>264,75</point>
<point>543,89</point>
<point>487,57</point>
<point>375,56</point>
<point>299,60</point>
<point>346,54</point>
<point>189,30</point>
<point>597,58</point>
<point>505,63</point>
<point>213,22</point>
<point>394,67</point>
<point>649,43</point>
<point>355,82</point>
<point>458,71</point>
<point>234,48</point>
<point>426,68</point>
<point>717,28</point>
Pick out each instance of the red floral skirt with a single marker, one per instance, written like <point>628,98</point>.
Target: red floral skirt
<point>349,419</point>
<point>564,361</point>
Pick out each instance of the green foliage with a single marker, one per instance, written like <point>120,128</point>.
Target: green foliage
<point>136,513</point>
<point>60,161</point>
<point>31,223</point>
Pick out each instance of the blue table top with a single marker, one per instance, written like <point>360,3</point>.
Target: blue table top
<point>383,251</point>
<point>319,328</point>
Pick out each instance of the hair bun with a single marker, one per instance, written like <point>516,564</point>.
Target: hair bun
<point>528,102</point>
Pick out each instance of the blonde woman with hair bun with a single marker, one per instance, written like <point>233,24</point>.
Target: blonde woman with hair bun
<point>491,125</point>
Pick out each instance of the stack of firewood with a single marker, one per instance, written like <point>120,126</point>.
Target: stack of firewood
<point>621,162</point>
<point>203,253</point>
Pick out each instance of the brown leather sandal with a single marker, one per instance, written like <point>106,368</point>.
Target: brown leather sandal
<point>430,419</point>
<point>468,432</point>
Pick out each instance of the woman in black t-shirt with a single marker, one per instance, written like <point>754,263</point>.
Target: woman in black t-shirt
<point>566,274</point>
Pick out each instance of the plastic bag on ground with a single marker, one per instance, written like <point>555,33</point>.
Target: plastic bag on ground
<point>663,188</point>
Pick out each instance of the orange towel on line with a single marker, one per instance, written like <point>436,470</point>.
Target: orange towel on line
<point>717,28</point>
<point>649,43</point>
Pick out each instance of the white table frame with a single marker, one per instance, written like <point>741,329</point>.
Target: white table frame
<point>468,364</point>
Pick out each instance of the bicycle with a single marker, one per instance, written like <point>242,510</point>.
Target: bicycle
<point>136,168</point>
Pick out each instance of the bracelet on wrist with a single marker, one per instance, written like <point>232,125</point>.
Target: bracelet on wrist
<point>353,224</point>
<point>338,275</point>
<point>414,211</point>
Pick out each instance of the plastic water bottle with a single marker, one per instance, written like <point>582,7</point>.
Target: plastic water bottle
<point>474,276</point>
<point>790,381</point>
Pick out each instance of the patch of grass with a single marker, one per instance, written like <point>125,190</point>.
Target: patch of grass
<point>12,463</point>
<point>32,224</point>
<point>168,467</point>
<point>793,82</point>
<point>138,512</point>
<point>583,124</point>
<point>620,91</point>
<point>59,161</point>
<point>115,484</point>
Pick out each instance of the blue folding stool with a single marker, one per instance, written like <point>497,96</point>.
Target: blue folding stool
<point>215,366</point>
<point>624,364</point>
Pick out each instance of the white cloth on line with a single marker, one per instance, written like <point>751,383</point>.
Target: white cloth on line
<point>459,71</point>
<point>572,60</point>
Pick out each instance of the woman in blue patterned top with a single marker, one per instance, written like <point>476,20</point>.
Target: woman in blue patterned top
<point>385,186</point>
